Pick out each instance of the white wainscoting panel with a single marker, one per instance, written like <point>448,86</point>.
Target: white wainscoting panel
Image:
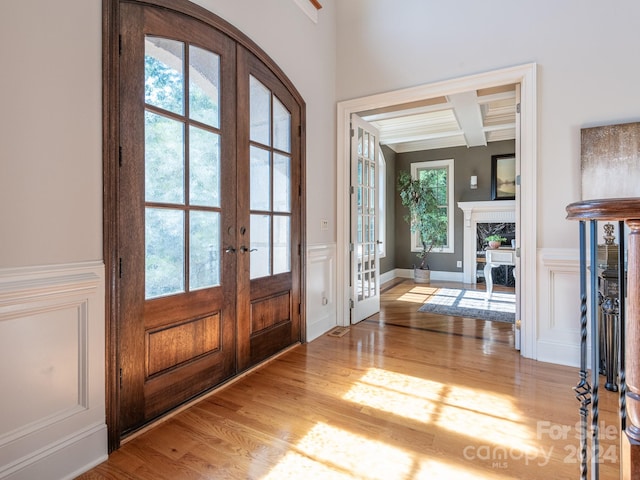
<point>52,359</point>
<point>558,323</point>
<point>321,290</point>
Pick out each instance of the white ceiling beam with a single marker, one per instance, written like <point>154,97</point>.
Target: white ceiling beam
<point>407,113</point>
<point>418,136</point>
<point>467,111</point>
<point>483,99</point>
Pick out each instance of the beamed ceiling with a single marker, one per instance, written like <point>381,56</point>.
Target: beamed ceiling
<point>468,119</point>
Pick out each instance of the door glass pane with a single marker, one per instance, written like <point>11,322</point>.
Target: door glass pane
<point>281,244</point>
<point>260,179</point>
<point>204,249</point>
<point>260,246</point>
<point>281,183</point>
<point>281,127</point>
<point>164,159</point>
<point>259,112</point>
<point>372,173</point>
<point>365,142</point>
<point>164,252</point>
<point>204,82</point>
<point>204,168</point>
<point>372,201</point>
<point>164,74</point>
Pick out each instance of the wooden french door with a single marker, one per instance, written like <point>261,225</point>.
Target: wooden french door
<point>269,204</point>
<point>208,211</point>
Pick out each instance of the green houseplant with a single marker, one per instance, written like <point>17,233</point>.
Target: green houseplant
<point>425,217</point>
<point>495,241</point>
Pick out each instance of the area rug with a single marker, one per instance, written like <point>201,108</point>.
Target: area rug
<point>501,307</point>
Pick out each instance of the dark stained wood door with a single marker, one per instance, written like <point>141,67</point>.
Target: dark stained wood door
<point>208,211</point>
<point>177,211</point>
<point>269,212</point>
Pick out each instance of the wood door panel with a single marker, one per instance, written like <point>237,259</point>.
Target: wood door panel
<point>164,311</point>
<point>173,345</point>
<point>164,392</point>
<point>271,341</point>
<point>268,312</point>
<point>264,287</point>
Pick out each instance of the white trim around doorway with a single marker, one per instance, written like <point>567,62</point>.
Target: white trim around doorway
<point>526,76</point>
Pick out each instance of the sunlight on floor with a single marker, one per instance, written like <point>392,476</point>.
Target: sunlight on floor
<point>345,455</point>
<point>474,299</point>
<point>417,294</point>
<point>450,407</point>
<point>471,299</point>
<point>328,451</point>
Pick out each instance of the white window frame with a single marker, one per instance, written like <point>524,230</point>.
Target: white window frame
<point>382,209</point>
<point>448,164</point>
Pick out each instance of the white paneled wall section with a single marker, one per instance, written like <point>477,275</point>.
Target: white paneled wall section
<point>321,290</point>
<point>52,358</point>
<point>558,323</point>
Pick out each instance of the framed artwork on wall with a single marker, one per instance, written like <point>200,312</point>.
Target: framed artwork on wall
<point>610,161</point>
<point>503,177</point>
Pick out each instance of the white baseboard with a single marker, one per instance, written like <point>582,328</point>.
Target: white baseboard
<point>435,275</point>
<point>55,461</point>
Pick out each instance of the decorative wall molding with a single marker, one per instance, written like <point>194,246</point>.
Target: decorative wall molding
<point>558,324</point>
<point>52,357</point>
<point>321,290</point>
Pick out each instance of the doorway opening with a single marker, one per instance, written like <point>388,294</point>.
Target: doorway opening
<point>525,77</point>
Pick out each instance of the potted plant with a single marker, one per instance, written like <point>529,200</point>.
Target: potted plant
<point>425,217</point>
<point>495,241</point>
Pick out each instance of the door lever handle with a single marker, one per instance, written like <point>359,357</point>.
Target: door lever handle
<point>230,250</point>
<point>245,249</point>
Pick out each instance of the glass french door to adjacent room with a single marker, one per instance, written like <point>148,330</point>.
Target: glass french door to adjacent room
<point>208,211</point>
<point>365,261</point>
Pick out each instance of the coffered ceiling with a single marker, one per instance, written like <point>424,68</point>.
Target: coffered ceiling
<point>465,119</point>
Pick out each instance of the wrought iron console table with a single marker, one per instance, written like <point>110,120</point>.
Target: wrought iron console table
<point>623,211</point>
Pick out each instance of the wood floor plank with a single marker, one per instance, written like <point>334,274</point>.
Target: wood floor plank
<point>403,395</point>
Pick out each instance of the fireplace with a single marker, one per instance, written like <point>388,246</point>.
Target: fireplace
<point>498,214</point>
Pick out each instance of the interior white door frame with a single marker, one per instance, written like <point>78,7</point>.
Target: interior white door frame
<point>526,76</point>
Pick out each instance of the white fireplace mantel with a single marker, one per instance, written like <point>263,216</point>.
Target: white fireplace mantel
<point>498,211</point>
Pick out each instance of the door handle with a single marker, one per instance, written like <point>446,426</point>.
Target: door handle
<point>230,250</point>
<point>245,249</point>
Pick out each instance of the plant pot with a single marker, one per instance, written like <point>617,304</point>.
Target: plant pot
<point>421,276</point>
<point>494,245</point>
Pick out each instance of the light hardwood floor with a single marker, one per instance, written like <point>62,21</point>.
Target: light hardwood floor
<point>403,395</point>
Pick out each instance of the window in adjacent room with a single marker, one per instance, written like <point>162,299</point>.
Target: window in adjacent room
<point>439,173</point>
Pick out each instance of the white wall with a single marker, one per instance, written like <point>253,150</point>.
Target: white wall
<point>50,131</point>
